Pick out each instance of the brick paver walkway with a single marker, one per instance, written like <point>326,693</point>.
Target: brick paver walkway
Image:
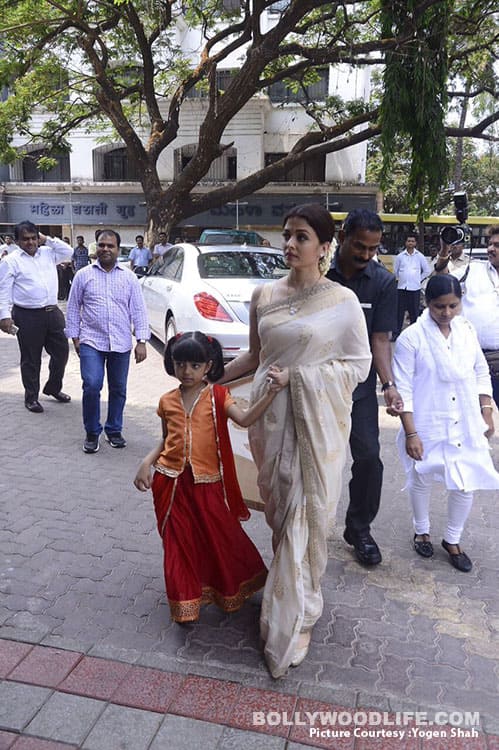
<point>88,653</point>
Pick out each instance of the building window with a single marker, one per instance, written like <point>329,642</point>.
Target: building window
<point>279,6</point>
<point>224,78</point>
<point>314,92</point>
<point>232,4</point>
<point>222,169</point>
<point>60,173</point>
<point>312,170</point>
<point>118,168</point>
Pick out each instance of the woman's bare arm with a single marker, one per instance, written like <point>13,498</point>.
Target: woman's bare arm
<point>247,362</point>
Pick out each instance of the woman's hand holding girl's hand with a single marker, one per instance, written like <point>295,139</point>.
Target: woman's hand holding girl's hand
<point>277,377</point>
<point>414,447</point>
<point>142,479</point>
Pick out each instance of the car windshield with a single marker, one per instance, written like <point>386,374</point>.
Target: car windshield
<point>124,251</point>
<point>237,264</point>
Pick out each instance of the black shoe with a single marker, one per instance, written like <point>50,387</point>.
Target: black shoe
<point>366,549</point>
<point>91,444</point>
<point>423,546</point>
<point>62,397</point>
<point>116,440</point>
<point>459,560</point>
<point>34,406</point>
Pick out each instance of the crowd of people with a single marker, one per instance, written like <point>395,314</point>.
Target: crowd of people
<point>319,341</point>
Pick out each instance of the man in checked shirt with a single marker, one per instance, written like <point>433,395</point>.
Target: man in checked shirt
<point>105,304</point>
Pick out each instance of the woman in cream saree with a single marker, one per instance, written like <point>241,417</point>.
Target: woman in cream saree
<point>310,338</point>
<point>299,447</point>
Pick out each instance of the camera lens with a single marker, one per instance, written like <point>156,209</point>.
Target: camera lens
<point>452,235</point>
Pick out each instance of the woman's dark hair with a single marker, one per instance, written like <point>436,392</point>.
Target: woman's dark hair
<point>442,283</point>
<point>194,346</point>
<point>317,216</point>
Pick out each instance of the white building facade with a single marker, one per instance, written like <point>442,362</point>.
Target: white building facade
<point>96,186</point>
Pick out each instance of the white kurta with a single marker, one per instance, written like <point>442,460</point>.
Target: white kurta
<point>446,411</point>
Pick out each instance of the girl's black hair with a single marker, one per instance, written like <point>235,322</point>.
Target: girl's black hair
<point>440,284</point>
<point>194,346</point>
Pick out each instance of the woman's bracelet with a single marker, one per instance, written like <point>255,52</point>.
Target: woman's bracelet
<point>410,434</point>
<point>486,406</point>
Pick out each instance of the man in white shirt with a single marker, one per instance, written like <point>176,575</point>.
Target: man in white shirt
<point>452,259</point>
<point>481,304</point>
<point>140,256</point>
<point>28,282</point>
<point>410,268</point>
<point>162,246</point>
<point>7,246</point>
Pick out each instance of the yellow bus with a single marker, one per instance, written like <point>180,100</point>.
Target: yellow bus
<point>397,226</point>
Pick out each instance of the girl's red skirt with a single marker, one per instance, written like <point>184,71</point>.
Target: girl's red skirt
<point>208,558</point>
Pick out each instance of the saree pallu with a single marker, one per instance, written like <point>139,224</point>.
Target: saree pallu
<point>299,446</point>
<point>208,558</point>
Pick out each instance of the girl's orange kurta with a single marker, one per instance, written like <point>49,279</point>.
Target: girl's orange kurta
<point>208,557</point>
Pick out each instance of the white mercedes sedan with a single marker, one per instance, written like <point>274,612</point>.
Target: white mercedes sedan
<point>208,288</point>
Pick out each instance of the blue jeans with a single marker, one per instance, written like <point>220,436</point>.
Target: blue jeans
<point>92,364</point>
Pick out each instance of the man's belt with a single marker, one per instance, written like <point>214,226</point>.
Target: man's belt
<point>47,308</point>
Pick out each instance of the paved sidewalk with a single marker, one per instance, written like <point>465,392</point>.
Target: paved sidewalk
<point>89,658</point>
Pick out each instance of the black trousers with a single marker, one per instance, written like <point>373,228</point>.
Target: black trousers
<point>367,469</point>
<point>410,301</point>
<point>39,329</point>
<point>65,276</point>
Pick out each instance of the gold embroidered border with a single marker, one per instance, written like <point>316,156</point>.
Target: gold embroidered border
<point>172,473</point>
<point>188,611</point>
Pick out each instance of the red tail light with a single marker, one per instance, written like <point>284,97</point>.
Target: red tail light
<point>211,308</point>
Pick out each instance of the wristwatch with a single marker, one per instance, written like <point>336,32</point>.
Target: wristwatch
<point>387,385</point>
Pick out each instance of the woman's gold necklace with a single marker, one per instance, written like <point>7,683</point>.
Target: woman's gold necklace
<point>293,308</point>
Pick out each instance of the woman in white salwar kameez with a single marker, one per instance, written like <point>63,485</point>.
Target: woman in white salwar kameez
<point>309,335</point>
<point>443,378</point>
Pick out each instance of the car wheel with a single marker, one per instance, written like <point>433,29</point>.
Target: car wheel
<point>170,328</point>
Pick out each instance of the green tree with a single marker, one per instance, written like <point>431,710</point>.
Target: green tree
<point>92,63</point>
<point>479,170</point>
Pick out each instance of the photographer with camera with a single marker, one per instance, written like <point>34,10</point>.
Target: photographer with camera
<point>452,257</point>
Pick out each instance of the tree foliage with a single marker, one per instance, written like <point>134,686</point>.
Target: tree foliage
<point>479,177</point>
<point>415,94</point>
<point>95,63</point>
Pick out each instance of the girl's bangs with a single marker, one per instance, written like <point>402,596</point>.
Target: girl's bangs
<point>189,350</point>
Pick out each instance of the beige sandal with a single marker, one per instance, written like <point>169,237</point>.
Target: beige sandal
<point>301,648</point>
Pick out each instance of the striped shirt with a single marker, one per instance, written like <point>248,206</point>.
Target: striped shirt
<point>103,307</point>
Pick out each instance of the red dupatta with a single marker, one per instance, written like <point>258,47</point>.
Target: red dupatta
<point>232,490</point>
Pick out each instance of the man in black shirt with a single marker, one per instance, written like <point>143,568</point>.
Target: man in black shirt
<point>376,288</point>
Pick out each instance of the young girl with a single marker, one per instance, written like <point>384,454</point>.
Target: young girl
<point>198,503</point>
<point>443,379</point>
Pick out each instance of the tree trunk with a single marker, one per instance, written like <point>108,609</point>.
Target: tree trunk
<point>458,167</point>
